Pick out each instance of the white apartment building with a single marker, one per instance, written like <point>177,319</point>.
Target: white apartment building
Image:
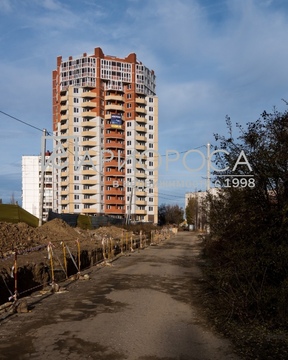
<point>31,185</point>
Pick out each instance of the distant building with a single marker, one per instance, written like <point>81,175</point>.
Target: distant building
<point>31,184</point>
<point>200,222</point>
<point>105,109</point>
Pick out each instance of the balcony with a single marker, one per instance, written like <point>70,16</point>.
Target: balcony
<point>90,191</point>
<point>89,123</point>
<point>140,119</point>
<point>140,138</point>
<point>65,202</point>
<point>115,211</point>
<point>113,172</point>
<point>141,212</point>
<point>89,104</point>
<point>89,133</point>
<point>91,210</point>
<point>115,201</point>
<point>114,135</point>
<point>141,129</point>
<point>64,107</point>
<point>141,202</point>
<point>64,126</point>
<point>88,94</point>
<point>89,201</point>
<point>64,174</point>
<point>63,98</point>
<point>89,172</point>
<point>141,175</point>
<point>64,117</point>
<point>91,143</point>
<point>89,182</point>
<point>114,107</point>
<point>141,101</point>
<point>89,114</point>
<point>140,110</point>
<point>140,147</point>
<point>115,144</point>
<point>140,193</point>
<point>112,97</point>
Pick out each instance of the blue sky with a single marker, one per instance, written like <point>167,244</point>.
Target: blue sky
<point>212,58</point>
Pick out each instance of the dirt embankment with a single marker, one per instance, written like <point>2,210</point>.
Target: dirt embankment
<point>33,262</point>
<point>23,237</point>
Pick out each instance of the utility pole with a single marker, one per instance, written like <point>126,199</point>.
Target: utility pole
<point>208,168</point>
<point>42,167</point>
<point>208,186</point>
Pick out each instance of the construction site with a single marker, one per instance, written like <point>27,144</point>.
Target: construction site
<point>39,258</point>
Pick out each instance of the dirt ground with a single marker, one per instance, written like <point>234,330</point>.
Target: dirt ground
<point>24,237</point>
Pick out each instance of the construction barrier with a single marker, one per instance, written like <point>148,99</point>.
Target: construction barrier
<point>66,260</point>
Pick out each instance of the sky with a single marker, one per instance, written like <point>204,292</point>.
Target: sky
<point>211,58</point>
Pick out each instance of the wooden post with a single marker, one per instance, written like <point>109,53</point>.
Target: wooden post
<point>15,276</point>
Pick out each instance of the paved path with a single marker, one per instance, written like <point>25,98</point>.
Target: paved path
<point>141,308</point>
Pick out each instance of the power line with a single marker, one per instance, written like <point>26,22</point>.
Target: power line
<point>21,121</point>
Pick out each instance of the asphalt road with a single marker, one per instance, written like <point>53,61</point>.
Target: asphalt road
<point>140,307</point>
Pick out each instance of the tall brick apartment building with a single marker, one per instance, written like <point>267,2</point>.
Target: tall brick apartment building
<point>105,126</point>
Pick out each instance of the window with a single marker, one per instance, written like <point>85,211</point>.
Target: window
<point>76,207</point>
<point>150,127</point>
<point>75,90</point>
<point>150,108</point>
<point>150,208</point>
<point>151,100</point>
<point>76,197</point>
<point>76,100</point>
<point>129,96</point>
<point>129,105</point>
<point>129,123</point>
<point>150,146</point>
<point>129,133</point>
<point>150,199</point>
<point>151,173</point>
<point>76,187</point>
<point>129,115</point>
<point>76,119</point>
<point>151,163</point>
<point>150,136</point>
<point>129,142</point>
<point>150,118</point>
<point>76,110</point>
<point>150,191</point>
<point>76,129</point>
<point>76,177</point>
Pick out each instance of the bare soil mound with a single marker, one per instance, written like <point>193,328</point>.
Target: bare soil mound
<point>22,236</point>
